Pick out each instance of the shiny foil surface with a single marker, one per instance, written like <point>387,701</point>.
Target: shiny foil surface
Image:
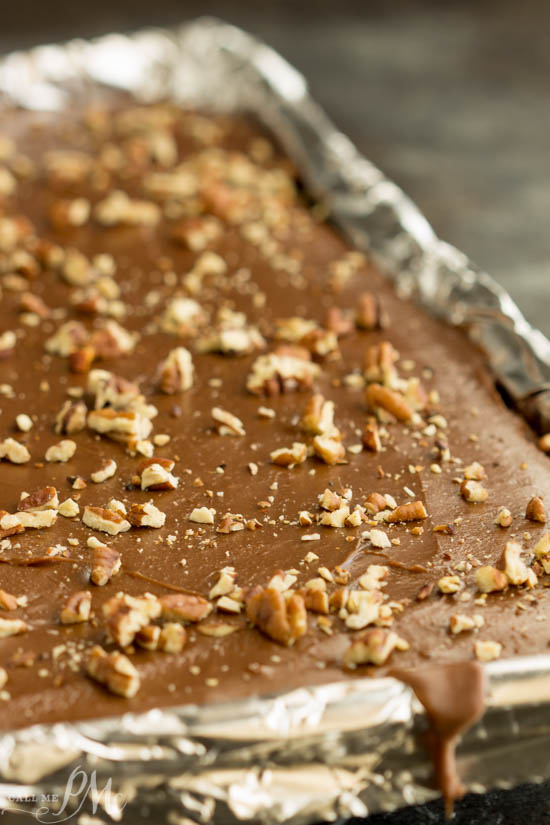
<point>321,753</point>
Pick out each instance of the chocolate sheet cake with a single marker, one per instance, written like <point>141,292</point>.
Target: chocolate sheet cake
<point>233,460</point>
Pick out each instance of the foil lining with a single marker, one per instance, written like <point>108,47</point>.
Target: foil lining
<point>323,753</point>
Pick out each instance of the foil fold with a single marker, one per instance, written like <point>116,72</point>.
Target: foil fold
<point>322,753</point>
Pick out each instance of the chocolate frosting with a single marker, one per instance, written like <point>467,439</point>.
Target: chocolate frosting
<point>289,272</point>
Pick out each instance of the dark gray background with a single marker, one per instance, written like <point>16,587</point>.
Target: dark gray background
<point>450,99</point>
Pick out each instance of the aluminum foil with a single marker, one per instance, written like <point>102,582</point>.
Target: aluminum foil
<point>321,753</point>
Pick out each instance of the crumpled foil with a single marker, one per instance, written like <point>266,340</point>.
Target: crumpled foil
<point>315,754</point>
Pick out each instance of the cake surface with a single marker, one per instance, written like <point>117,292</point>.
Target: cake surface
<point>342,490</point>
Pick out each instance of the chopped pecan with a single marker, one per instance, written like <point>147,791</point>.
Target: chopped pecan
<point>107,470</point>
<point>44,499</point>
<point>68,339</point>
<point>330,450</point>
<point>114,670</point>
<point>282,371</point>
<point>338,321</point>
<point>371,437</point>
<point>106,562</point>
<point>227,423</point>
<point>473,492</point>
<point>126,426</point>
<point>289,456</point>
<point>7,601</point>
<point>10,524</point>
<point>413,511</point>
<point>176,371</point>
<point>375,503</point>
<point>460,623</point>
<point>315,596</point>
<point>379,364</point>
<point>489,580</point>
<point>197,232</point>
<point>450,584</point>
<point>282,619</point>
<point>61,452</point>
<point>118,208</point>
<point>373,647</point>
<point>487,650</point>
<point>475,472</point>
<point>107,521</point>
<point>110,390</point>
<point>156,474</point>
<point>182,316</point>
<point>126,615</point>
<point>37,519</point>
<point>535,510</point>
<point>515,569</point>
<point>388,400</point>
<point>318,417</point>
<point>329,500</point>
<point>82,359</point>
<point>11,627</point>
<point>202,515</point>
<point>112,340</point>
<point>13,451</point>
<point>71,418</point>
<point>335,518</point>
<point>542,552</point>
<point>184,607</point>
<point>29,302</point>
<point>77,608</point>
<point>230,523</point>
<point>146,515</point>
<point>369,314</point>
<point>504,517</point>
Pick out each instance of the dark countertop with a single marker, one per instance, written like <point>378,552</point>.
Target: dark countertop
<point>449,99</point>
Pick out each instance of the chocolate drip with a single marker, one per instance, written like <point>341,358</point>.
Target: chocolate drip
<point>453,696</point>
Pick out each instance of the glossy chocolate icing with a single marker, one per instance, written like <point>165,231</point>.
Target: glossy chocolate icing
<point>45,665</point>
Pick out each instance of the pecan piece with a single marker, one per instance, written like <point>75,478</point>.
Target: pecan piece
<point>61,452</point>
<point>114,670</point>
<point>318,417</point>
<point>282,619</point>
<point>371,437</point>
<point>71,418</point>
<point>286,370</point>
<point>473,492</point>
<point>107,521</point>
<point>14,452</point>
<point>413,511</point>
<point>106,562</point>
<point>156,474</point>
<point>369,314</point>
<point>227,423</point>
<point>146,515</point>
<point>388,400</point>
<point>126,615</point>
<point>489,580</point>
<point>374,647</point>
<point>127,426</point>
<point>184,607</point>
<point>107,470</point>
<point>44,499</point>
<point>11,627</point>
<point>176,371</point>
<point>10,524</point>
<point>77,608</point>
<point>289,456</point>
<point>329,450</point>
<point>535,510</point>
<point>7,601</point>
